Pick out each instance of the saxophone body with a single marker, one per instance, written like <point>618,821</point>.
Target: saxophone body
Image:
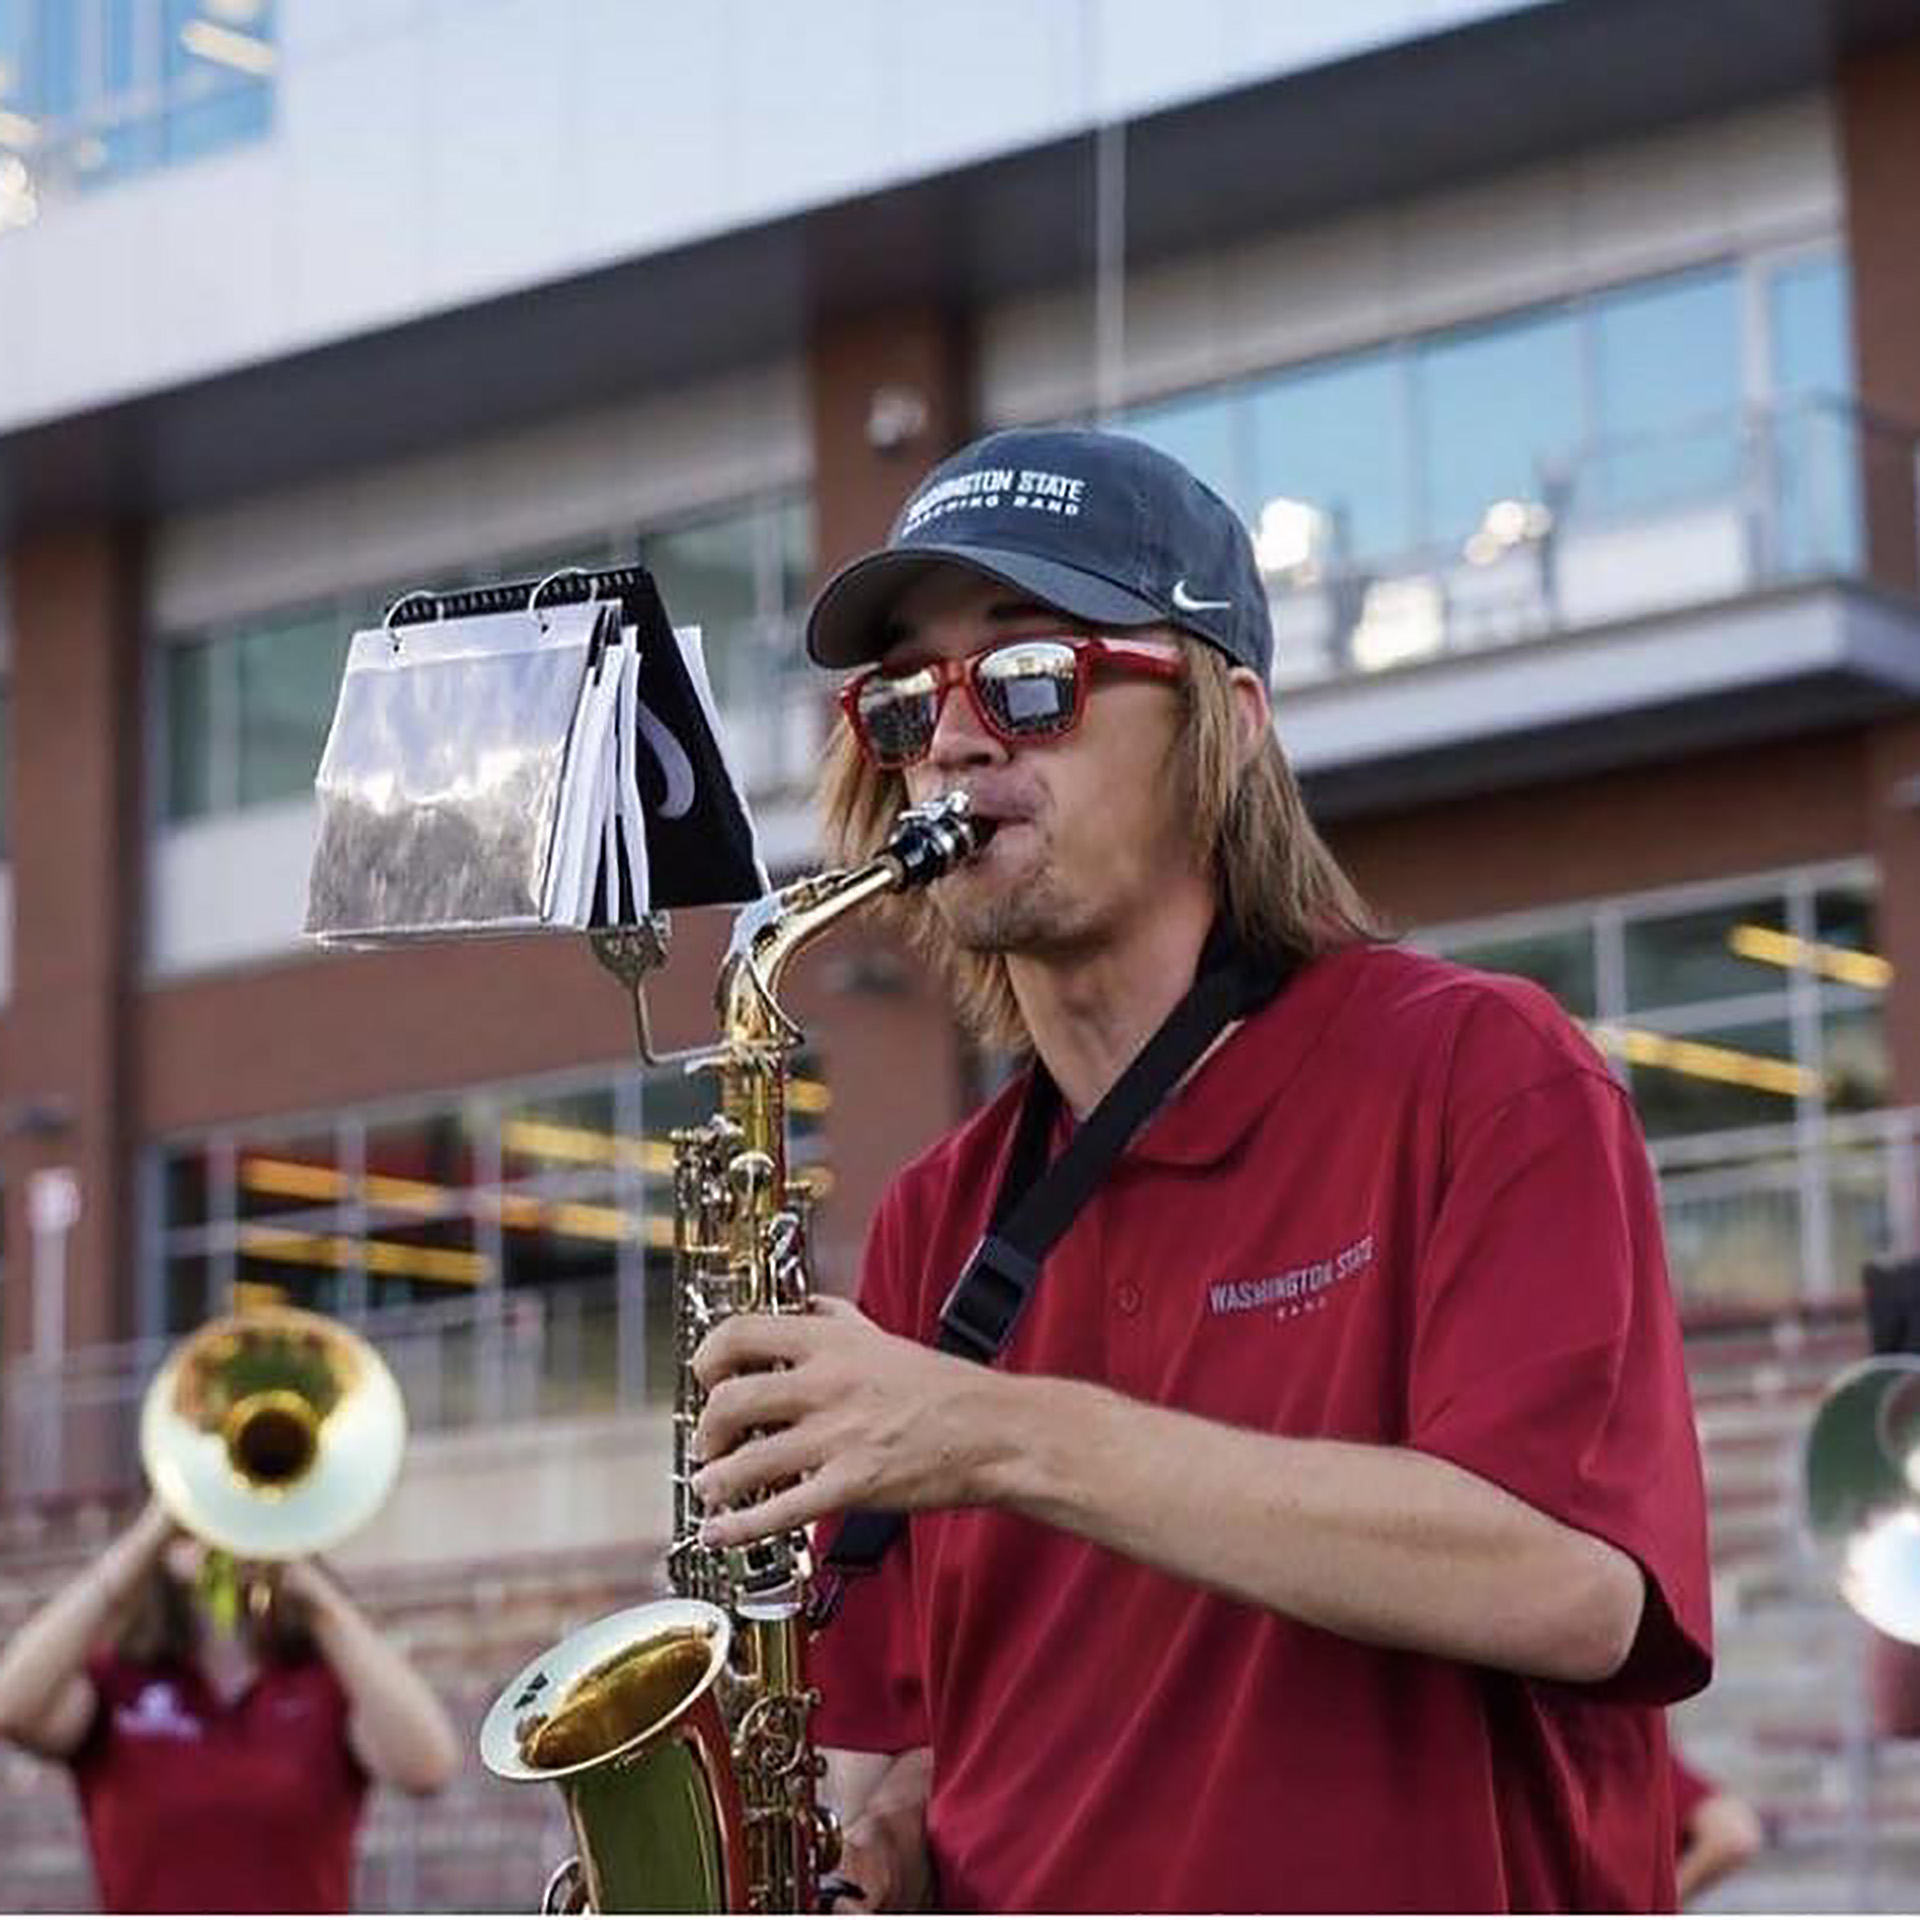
<point>678,1731</point>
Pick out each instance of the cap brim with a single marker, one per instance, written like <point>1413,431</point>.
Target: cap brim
<point>848,624</point>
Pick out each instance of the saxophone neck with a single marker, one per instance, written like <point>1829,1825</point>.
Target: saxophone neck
<point>926,843</point>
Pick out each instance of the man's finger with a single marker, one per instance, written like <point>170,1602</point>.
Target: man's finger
<point>743,1401</point>
<point>793,1506</point>
<point>766,1460</point>
<point>745,1341</point>
<point>839,1893</point>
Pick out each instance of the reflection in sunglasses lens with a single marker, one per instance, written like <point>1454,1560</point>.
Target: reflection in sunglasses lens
<point>899,726</point>
<point>1029,690</point>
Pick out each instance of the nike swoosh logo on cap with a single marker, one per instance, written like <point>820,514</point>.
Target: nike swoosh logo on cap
<point>1188,604</point>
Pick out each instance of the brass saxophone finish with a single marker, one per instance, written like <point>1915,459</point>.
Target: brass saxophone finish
<point>678,1732</point>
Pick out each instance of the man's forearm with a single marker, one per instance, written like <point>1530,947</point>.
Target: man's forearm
<point>1380,1544</point>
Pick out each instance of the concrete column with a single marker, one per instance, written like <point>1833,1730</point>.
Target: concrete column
<point>77,830</point>
<point>1893,794</point>
<point>1879,102</point>
<point>889,398</point>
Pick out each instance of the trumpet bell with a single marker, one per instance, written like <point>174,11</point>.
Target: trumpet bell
<point>272,1434</point>
<point>1862,1467</point>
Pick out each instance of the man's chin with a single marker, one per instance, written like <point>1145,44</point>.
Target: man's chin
<point>989,928</point>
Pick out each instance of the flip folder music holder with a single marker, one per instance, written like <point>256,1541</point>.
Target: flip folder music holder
<point>523,756</point>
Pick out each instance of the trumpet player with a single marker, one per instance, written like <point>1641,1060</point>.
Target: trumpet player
<point>1328,1532</point>
<point>221,1756</point>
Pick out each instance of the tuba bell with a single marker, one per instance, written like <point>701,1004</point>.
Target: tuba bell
<point>272,1434</point>
<point>1861,1468</point>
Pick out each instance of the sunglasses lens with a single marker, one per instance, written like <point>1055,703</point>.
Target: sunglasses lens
<point>1030,688</point>
<point>897,717</point>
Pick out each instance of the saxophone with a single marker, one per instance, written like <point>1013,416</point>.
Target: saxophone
<point>677,1730</point>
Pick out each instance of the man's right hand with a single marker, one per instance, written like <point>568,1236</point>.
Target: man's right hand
<point>886,1861</point>
<point>882,1801</point>
<point>883,1848</point>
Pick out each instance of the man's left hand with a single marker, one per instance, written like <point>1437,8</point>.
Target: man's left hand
<point>811,1414</point>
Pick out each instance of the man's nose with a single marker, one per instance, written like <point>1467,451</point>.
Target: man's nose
<point>959,738</point>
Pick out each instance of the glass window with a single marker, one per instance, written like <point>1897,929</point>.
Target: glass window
<point>1667,365</point>
<point>185,1196</point>
<point>191,749</point>
<point>421,1242</point>
<point>1500,417</point>
<point>1706,954</point>
<point>794,548</point>
<point>1202,432</point>
<point>54,89</point>
<point>1846,916</point>
<point>289,678</point>
<point>247,710</point>
<point>279,1176</point>
<point>539,1191</point>
<point>1858,1076</point>
<point>1816,451</point>
<point>709,576</point>
<point>1563,963</point>
<point>1737,1247</point>
<point>219,59</point>
<point>93,90</point>
<point>191,1292</point>
<point>739,576</point>
<point>1707,1081</point>
<point>1334,439</point>
<point>13,50</point>
<point>1808,311</point>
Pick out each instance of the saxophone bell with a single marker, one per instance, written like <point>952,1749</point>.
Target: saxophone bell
<point>624,1718</point>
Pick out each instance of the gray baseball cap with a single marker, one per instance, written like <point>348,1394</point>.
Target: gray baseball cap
<point>1099,525</point>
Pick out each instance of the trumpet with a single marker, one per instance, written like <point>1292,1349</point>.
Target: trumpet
<point>272,1434</point>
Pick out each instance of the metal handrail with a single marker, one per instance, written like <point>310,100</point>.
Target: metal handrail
<point>70,1422</point>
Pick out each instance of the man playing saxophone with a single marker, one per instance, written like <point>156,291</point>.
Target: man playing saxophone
<point>1329,1532</point>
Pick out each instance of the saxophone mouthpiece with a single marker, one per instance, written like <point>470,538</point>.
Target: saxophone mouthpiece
<point>930,840</point>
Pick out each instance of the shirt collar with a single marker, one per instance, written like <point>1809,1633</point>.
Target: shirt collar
<point>1206,1117</point>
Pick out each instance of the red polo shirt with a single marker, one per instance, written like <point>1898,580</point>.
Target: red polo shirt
<point>196,1807</point>
<point>1690,1791</point>
<point>1406,1204</point>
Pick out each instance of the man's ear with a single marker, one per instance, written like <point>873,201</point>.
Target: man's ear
<point>1253,712</point>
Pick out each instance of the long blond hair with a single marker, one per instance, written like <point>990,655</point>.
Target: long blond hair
<point>1285,893</point>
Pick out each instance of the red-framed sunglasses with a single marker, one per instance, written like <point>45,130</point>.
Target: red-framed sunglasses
<point>1022,691</point>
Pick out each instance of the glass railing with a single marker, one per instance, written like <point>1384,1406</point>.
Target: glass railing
<point>1776,1217</point>
<point>1721,508</point>
<point>92,95</point>
<point>69,1428</point>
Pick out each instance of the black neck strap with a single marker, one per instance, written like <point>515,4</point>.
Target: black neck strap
<point>1038,1202</point>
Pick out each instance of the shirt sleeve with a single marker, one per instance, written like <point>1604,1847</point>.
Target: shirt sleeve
<point>102,1670</point>
<point>865,1661</point>
<point>1547,1354</point>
